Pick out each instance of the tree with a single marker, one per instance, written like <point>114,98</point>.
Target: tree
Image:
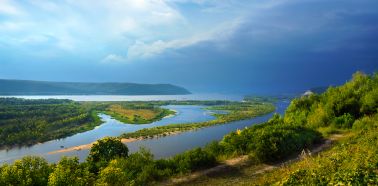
<point>27,171</point>
<point>105,150</point>
<point>69,172</point>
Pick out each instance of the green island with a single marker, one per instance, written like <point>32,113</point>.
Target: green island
<point>27,122</point>
<point>137,113</point>
<point>349,111</point>
<point>235,111</point>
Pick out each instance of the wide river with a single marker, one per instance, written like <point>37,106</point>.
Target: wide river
<point>160,147</point>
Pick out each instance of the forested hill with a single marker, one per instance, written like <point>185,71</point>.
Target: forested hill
<point>25,87</point>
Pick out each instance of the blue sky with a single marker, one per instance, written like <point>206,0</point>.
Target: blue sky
<point>205,45</point>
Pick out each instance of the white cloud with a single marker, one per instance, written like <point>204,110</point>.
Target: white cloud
<point>142,28</point>
<point>222,32</point>
<point>83,24</point>
<point>8,7</point>
<point>113,58</point>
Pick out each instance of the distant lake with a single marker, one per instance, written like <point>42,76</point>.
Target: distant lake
<point>135,98</point>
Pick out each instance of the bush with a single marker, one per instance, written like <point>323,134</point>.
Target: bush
<point>272,142</point>
<point>192,160</point>
<point>344,122</point>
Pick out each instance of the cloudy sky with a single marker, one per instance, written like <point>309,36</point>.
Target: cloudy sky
<point>204,45</point>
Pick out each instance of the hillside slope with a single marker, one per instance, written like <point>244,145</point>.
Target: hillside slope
<point>26,87</point>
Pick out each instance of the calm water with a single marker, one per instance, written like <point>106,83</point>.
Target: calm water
<point>136,98</point>
<point>160,147</point>
<point>110,127</point>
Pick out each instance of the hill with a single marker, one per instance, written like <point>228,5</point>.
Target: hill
<point>26,87</point>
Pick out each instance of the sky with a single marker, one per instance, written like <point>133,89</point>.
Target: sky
<point>212,46</point>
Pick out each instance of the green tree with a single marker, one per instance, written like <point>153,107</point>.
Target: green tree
<point>27,171</point>
<point>112,176</point>
<point>69,172</point>
<point>105,150</point>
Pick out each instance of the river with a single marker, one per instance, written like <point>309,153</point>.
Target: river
<point>161,147</point>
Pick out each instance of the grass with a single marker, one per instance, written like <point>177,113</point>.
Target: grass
<point>352,160</point>
<point>137,115</point>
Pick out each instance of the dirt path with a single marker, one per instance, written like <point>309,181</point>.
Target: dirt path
<point>239,161</point>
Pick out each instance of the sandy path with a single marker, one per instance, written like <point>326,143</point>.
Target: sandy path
<point>123,140</point>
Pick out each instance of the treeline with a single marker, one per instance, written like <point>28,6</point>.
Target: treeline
<point>26,122</point>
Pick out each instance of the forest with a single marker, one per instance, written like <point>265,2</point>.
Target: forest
<point>348,109</point>
<point>26,122</point>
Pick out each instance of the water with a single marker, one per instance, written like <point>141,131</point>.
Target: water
<point>135,98</point>
<point>161,147</point>
<point>110,127</point>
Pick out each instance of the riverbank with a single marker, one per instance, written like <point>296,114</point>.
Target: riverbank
<point>235,112</point>
<point>87,146</point>
<point>248,111</point>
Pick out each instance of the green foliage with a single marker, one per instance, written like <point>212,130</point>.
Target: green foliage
<point>267,99</point>
<point>338,106</point>
<point>105,150</point>
<point>137,113</point>
<point>344,121</point>
<point>138,169</point>
<point>351,107</point>
<point>193,160</point>
<point>352,162</point>
<point>68,171</point>
<point>271,141</point>
<point>27,122</point>
<point>112,176</point>
<point>25,172</point>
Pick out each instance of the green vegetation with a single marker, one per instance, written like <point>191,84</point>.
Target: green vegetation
<point>269,99</point>
<point>137,113</point>
<point>104,150</point>
<point>26,122</point>
<point>23,87</point>
<point>68,171</point>
<point>351,108</point>
<point>353,161</point>
<point>236,111</point>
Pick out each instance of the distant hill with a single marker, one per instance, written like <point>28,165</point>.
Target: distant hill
<point>26,87</point>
